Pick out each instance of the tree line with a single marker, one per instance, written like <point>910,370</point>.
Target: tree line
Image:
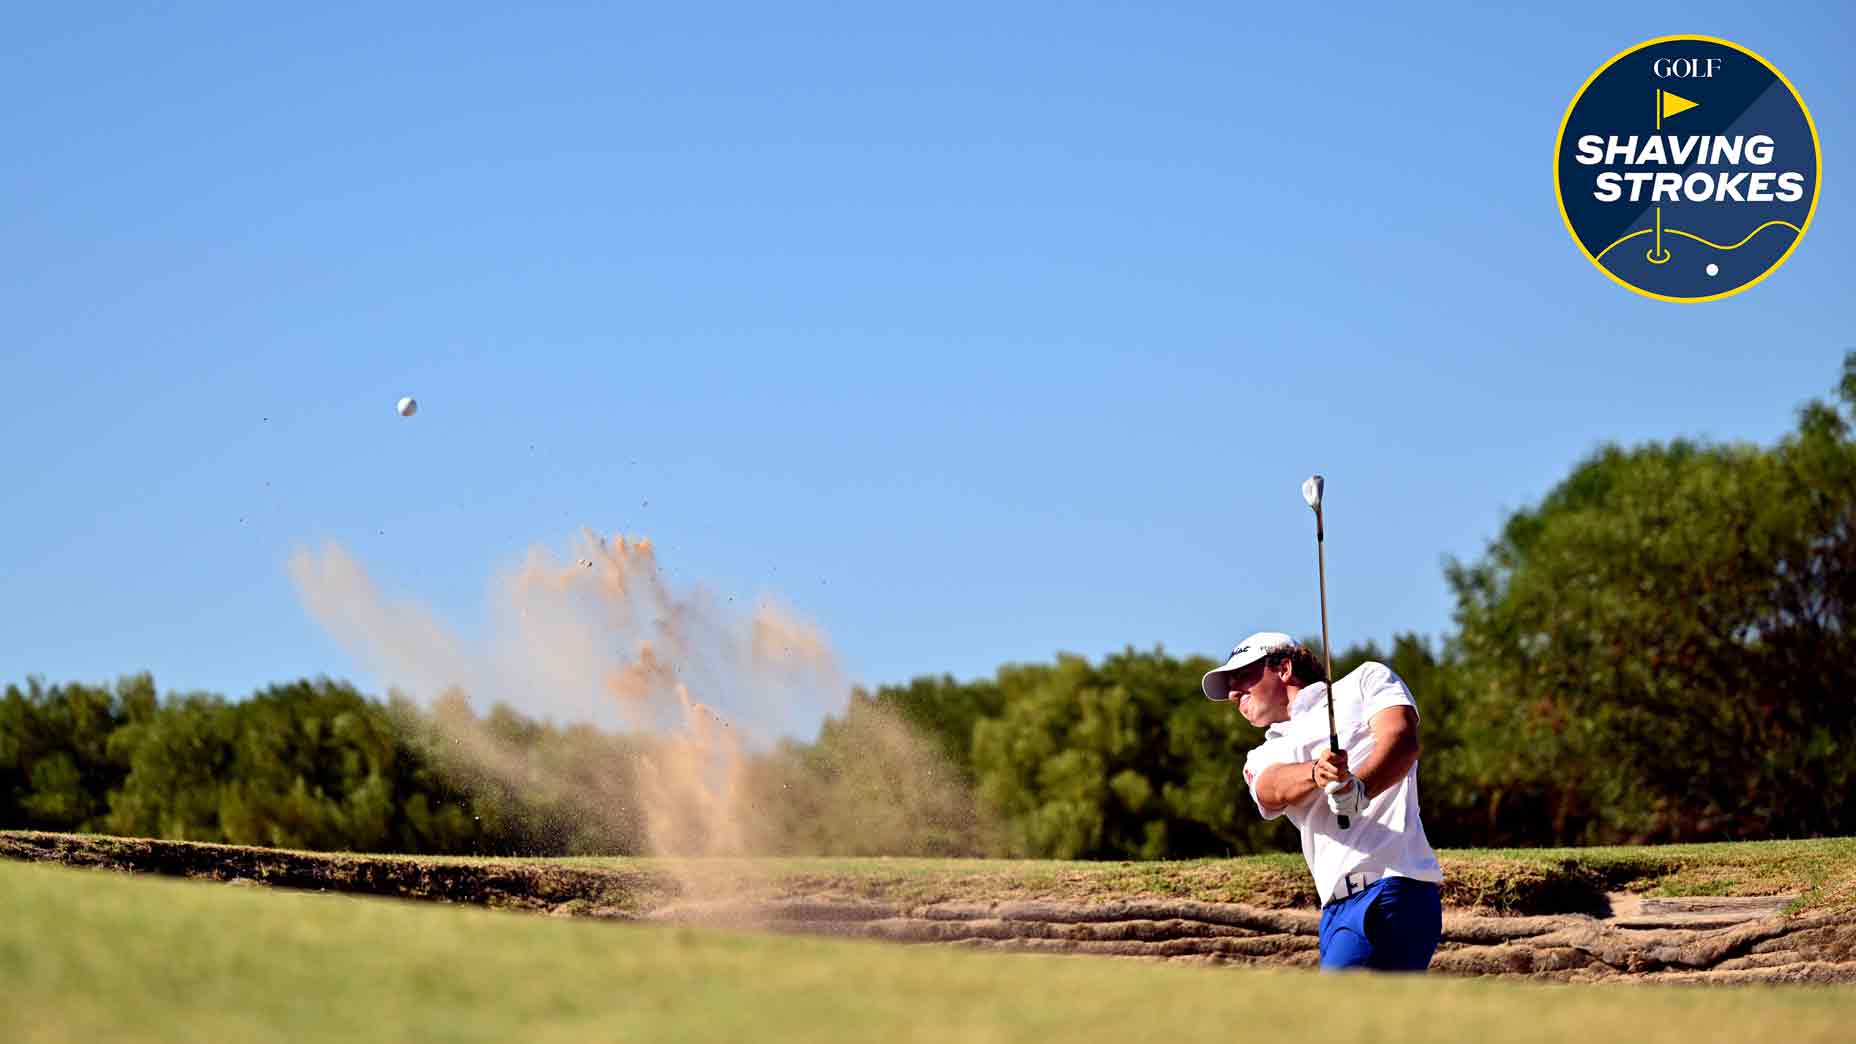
<point>1660,650</point>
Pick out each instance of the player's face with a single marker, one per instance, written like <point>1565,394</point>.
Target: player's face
<point>1260,694</point>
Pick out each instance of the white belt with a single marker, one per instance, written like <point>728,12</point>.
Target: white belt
<point>1353,884</point>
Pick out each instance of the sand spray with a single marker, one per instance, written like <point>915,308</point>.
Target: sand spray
<point>703,686</point>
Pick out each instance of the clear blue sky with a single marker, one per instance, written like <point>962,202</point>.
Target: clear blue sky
<point>976,332</point>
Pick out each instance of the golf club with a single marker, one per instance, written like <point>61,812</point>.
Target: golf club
<point>1311,493</point>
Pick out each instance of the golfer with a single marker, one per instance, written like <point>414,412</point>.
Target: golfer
<point>1378,880</point>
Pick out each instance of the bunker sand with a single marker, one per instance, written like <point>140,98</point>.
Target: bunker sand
<point>1564,926</point>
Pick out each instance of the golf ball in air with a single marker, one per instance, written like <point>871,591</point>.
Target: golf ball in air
<point>408,406</point>
<point>1713,269</point>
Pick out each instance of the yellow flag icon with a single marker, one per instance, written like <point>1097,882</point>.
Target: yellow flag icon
<point>1673,103</point>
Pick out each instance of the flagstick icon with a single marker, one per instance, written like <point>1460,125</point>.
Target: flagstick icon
<point>1667,104</point>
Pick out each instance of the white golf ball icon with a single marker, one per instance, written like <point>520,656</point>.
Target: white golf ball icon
<point>1714,269</point>
<point>408,406</point>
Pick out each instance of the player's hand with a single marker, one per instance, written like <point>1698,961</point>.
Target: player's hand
<point>1331,767</point>
<point>1346,797</point>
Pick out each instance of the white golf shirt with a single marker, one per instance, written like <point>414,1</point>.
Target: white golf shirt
<point>1386,838</point>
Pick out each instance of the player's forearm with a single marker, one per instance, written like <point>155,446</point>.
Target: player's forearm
<point>1283,785</point>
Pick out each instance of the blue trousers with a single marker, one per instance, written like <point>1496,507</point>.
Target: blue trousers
<point>1393,925</point>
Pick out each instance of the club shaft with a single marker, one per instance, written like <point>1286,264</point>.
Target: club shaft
<point>1327,648</point>
<point>1327,651</point>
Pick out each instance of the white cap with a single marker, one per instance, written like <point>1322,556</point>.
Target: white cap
<point>1248,651</point>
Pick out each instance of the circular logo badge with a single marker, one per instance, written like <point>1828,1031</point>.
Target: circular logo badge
<point>1687,168</point>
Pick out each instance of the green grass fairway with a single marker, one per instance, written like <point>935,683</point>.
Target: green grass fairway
<point>89,955</point>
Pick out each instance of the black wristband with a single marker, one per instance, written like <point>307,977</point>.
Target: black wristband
<point>1311,775</point>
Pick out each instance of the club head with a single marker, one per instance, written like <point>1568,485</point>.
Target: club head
<point>1311,491</point>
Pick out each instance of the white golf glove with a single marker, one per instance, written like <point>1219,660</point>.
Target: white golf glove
<point>1346,797</point>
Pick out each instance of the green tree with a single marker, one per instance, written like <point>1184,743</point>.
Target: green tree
<point>1662,648</point>
<point>311,767</point>
<point>946,711</point>
<point>177,757</point>
<point>1118,761</point>
<point>56,769</point>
